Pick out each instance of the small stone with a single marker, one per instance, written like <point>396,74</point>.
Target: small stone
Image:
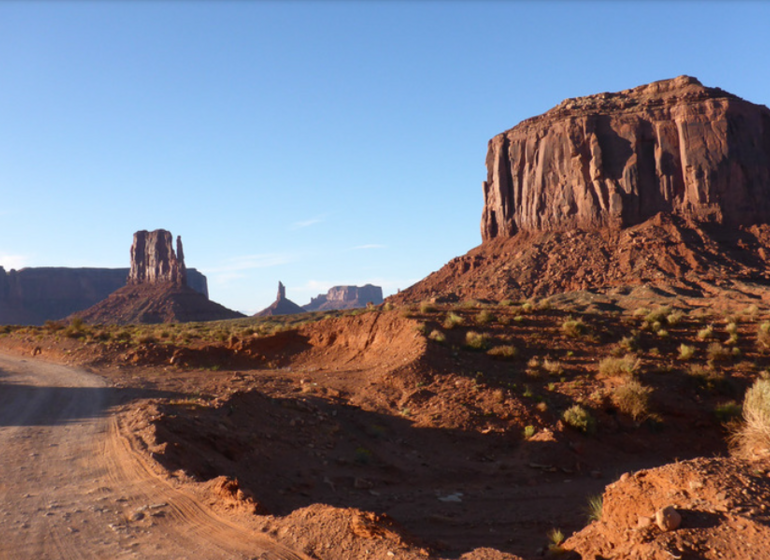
<point>668,519</point>
<point>644,522</point>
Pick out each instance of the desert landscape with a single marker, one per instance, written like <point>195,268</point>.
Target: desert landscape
<point>591,382</point>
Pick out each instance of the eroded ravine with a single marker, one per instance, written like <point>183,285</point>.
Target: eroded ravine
<point>72,487</point>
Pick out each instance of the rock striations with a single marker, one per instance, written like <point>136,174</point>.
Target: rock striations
<point>153,259</point>
<point>157,290</point>
<point>665,184</point>
<point>617,159</point>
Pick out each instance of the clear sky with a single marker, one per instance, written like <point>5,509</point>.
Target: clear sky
<point>316,143</point>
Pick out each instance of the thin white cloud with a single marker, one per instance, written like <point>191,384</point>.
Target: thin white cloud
<point>13,261</point>
<point>307,223</point>
<point>248,262</point>
<point>370,246</point>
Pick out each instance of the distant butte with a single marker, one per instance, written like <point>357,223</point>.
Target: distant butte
<point>157,290</point>
<point>662,184</point>
<point>281,306</point>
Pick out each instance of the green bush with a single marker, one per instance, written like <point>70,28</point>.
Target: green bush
<point>579,418</point>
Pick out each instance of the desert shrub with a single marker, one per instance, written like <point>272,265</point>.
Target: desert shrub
<point>145,338</point>
<point>553,367</point>
<point>627,365</point>
<point>686,352</point>
<point>717,353</point>
<point>633,398</point>
<point>476,341</point>
<point>421,328</point>
<point>527,307</point>
<point>579,418</point>
<point>763,335</point>
<point>727,412</point>
<point>709,378</point>
<point>534,365</point>
<point>659,316</point>
<point>506,352</point>
<point>706,333</point>
<point>630,343</point>
<point>101,335</point>
<point>555,540</point>
<point>470,303</point>
<point>388,306</point>
<point>674,318</point>
<point>485,317</point>
<point>53,326</point>
<point>574,327</point>
<point>752,437</point>
<point>529,431</point>
<point>452,320</point>
<point>594,507</point>
<point>437,336</point>
<point>544,304</point>
<point>731,328</point>
<point>427,307</point>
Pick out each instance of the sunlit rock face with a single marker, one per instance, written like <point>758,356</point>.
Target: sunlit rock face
<point>617,159</point>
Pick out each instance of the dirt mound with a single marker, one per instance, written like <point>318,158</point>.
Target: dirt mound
<point>722,504</point>
<point>694,260</point>
<point>163,302</point>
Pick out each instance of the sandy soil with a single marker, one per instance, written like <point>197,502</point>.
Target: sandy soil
<point>71,488</point>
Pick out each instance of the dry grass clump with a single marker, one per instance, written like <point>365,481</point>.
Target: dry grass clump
<point>574,327</point>
<point>752,437</point>
<point>485,317</point>
<point>427,307</point>
<point>476,341</point>
<point>506,352</point>
<point>717,353</point>
<point>763,335</point>
<point>633,398</point>
<point>452,320</point>
<point>437,336</point>
<point>579,418</point>
<point>686,352</point>
<point>553,367</point>
<point>706,333</point>
<point>627,365</point>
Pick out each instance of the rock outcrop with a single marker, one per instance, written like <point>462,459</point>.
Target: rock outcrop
<point>666,184</point>
<point>345,297</point>
<point>281,306</point>
<point>157,290</point>
<point>153,259</point>
<point>617,159</point>
<point>32,296</point>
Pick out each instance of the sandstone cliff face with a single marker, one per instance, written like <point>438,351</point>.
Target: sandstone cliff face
<point>345,297</point>
<point>153,259</point>
<point>617,159</point>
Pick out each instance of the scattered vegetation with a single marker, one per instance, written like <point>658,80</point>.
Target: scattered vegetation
<point>574,327</point>
<point>594,507</point>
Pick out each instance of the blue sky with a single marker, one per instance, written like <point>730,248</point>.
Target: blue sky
<point>316,143</point>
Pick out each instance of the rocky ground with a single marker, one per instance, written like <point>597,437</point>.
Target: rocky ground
<point>471,430</point>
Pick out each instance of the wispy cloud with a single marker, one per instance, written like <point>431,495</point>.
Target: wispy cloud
<point>237,267</point>
<point>13,261</point>
<point>369,246</point>
<point>307,223</point>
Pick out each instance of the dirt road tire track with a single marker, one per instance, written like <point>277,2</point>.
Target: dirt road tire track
<point>72,485</point>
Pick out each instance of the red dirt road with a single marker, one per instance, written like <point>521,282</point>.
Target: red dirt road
<point>70,486</point>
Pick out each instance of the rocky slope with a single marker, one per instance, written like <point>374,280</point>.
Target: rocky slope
<point>665,184</point>
<point>345,297</point>
<point>157,290</point>
<point>31,296</point>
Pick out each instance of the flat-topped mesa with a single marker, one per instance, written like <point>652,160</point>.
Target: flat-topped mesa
<point>617,159</point>
<point>154,261</point>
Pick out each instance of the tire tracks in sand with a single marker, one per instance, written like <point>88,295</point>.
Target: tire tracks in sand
<point>74,486</point>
